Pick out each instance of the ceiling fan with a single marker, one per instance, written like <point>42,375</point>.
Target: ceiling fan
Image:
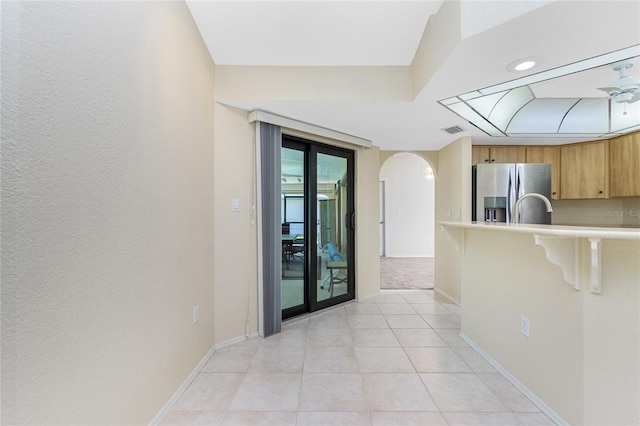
<point>625,89</point>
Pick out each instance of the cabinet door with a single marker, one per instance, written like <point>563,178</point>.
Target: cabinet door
<point>624,166</point>
<point>480,155</point>
<point>547,154</point>
<point>508,154</point>
<point>584,170</point>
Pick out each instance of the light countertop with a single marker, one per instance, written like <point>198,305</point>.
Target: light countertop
<point>551,230</point>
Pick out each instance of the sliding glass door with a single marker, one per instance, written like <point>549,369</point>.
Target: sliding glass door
<point>317,226</point>
<point>293,214</point>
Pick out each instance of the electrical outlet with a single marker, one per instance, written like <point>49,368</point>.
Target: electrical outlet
<point>195,314</point>
<point>524,325</point>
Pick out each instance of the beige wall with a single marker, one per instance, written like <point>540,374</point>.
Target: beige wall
<point>107,209</point>
<point>505,276</point>
<point>354,84</point>
<point>235,242</point>
<point>581,358</point>
<point>453,196</point>
<point>235,261</point>
<point>441,36</point>
<point>367,235</point>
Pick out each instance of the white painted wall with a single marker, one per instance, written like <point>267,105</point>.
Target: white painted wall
<point>410,206</point>
<point>107,209</point>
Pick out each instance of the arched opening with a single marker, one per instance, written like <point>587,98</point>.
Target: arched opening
<point>407,222</point>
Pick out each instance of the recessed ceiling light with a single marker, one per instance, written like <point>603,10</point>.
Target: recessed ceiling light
<point>523,64</point>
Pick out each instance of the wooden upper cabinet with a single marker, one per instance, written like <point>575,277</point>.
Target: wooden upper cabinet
<point>508,154</point>
<point>480,154</point>
<point>584,170</point>
<point>498,154</point>
<point>624,166</point>
<point>547,154</point>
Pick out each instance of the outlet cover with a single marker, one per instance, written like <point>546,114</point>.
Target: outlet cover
<point>196,315</point>
<point>524,325</point>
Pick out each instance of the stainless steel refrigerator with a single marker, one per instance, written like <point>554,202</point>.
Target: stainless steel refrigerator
<point>497,187</point>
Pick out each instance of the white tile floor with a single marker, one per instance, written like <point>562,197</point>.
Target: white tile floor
<point>396,359</point>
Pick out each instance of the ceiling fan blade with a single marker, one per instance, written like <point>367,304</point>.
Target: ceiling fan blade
<point>610,89</point>
<point>588,101</point>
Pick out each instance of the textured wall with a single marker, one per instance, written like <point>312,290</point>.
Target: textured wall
<point>107,201</point>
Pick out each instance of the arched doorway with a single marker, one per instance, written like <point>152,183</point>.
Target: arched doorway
<point>407,222</point>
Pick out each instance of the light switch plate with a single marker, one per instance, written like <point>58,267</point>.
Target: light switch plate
<point>235,205</point>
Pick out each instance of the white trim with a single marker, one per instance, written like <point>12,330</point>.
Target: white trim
<point>411,256</point>
<point>447,296</point>
<point>555,417</point>
<point>235,340</point>
<point>183,387</point>
<point>385,207</point>
<point>278,120</point>
<point>194,373</point>
<point>368,296</point>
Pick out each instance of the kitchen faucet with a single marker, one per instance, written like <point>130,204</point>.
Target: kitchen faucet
<point>516,212</point>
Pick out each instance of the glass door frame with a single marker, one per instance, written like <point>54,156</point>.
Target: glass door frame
<point>311,150</point>
<point>303,308</point>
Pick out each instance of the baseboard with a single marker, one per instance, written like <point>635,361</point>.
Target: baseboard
<point>447,296</point>
<point>235,340</point>
<point>368,296</point>
<point>555,417</point>
<point>191,377</point>
<point>411,256</point>
<point>183,387</point>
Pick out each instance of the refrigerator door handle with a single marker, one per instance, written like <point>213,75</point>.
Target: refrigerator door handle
<point>509,208</point>
<point>517,192</point>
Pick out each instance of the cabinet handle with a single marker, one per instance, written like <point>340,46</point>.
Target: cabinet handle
<point>600,192</point>
<point>554,193</point>
<point>493,160</point>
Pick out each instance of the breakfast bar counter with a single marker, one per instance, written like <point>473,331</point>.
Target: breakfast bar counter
<point>557,310</point>
<point>555,230</point>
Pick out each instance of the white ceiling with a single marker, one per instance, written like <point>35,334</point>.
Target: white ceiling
<point>387,33</point>
<point>312,33</point>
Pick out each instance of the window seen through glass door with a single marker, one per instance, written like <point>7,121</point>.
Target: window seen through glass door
<point>293,228</point>
<point>332,236</point>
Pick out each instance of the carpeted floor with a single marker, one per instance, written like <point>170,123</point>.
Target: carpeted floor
<point>406,272</point>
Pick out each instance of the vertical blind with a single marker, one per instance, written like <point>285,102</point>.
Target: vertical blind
<point>270,162</point>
